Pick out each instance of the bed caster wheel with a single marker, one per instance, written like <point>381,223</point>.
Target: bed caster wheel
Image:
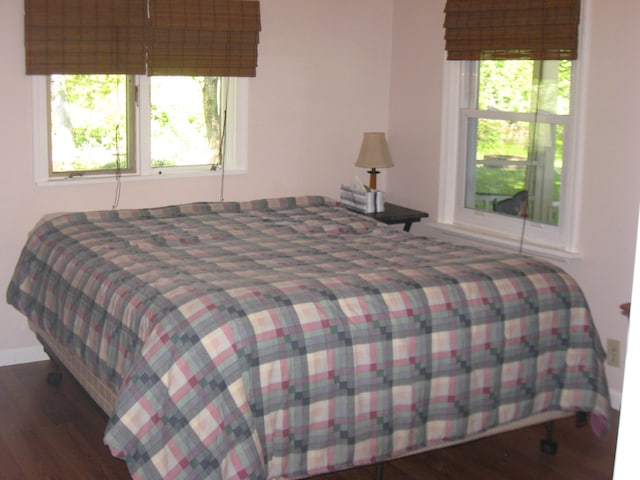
<point>54,379</point>
<point>581,419</point>
<point>548,447</point>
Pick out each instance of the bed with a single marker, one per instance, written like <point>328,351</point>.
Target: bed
<point>288,337</point>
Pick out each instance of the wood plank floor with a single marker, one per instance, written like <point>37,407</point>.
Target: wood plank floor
<point>56,433</point>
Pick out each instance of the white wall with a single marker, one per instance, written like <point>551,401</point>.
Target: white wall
<point>416,104</point>
<point>323,79</point>
<point>610,193</point>
<point>612,156</point>
<point>626,462</point>
<point>328,71</point>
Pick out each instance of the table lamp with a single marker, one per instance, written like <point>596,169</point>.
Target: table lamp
<point>374,154</point>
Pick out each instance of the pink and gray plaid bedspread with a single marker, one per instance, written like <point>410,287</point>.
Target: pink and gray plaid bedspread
<point>289,337</point>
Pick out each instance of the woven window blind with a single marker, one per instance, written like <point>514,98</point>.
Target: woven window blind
<point>179,37</point>
<point>84,36</point>
<point>204,37</point>
<point>512,29</point>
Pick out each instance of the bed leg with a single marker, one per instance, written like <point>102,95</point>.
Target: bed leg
<point>379,470</point>
<point>53,378</point>
<point>581,419</point>
<point>548,445</point>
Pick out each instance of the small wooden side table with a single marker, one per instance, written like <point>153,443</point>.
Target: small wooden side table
<point>625,309</point>
<point>395,214</point>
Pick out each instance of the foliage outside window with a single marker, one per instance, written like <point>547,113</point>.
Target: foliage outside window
<point>186,121</point>
<point>97,123</point>
<point>516,131</point>
<point>88,124</point>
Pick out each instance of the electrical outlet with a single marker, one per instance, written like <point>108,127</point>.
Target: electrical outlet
<point>613,352</point>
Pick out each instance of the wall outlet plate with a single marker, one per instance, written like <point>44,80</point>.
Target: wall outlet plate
<point>613,352</point>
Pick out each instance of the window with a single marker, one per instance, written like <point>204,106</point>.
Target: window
<point>89,125</point>
<point>187,115</point>
<point>510,161</point>
<point>511,151</point>
<point>103,103</point>
<point>97,125</point>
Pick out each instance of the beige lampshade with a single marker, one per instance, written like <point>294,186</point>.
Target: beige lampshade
<point>374,152</point>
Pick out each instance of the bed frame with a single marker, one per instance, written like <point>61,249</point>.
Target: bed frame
<point>60,356</point>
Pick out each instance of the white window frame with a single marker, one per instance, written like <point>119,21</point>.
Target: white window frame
<point>235,156</point>
<point>557,241</point>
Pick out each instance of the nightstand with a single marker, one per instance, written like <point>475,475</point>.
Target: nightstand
<point>395,214</point>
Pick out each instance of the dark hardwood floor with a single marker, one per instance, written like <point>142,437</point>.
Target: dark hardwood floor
<point>56,433</point>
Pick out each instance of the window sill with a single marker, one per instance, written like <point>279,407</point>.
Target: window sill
<point>159,175</point>
<point>486,238</point>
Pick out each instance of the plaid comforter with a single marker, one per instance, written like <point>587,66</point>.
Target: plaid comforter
<point>289,337</point>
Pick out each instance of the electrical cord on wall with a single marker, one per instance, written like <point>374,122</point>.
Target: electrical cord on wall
<point>533,152</point>
<point>221,150</point>
<point>524,208</point>
<point>118,174</point>
<point>224,83</point>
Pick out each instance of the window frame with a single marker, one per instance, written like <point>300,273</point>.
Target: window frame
<point>235,157</point>
<point>487,227</point>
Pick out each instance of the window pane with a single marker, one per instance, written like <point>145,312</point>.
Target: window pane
<point>514,147</point>
<point>88,123</point>
<point>511,157</point>
<point>525,86</point>
<point>185,121</point>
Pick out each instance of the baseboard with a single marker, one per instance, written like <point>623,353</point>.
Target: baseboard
<point>22,355</point>
<point>616,399</point>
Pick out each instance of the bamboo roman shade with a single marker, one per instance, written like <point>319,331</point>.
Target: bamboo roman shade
<point>512,29</point>
<point>175,37</point>
<point>85,36</point>
<point>204,37</point>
